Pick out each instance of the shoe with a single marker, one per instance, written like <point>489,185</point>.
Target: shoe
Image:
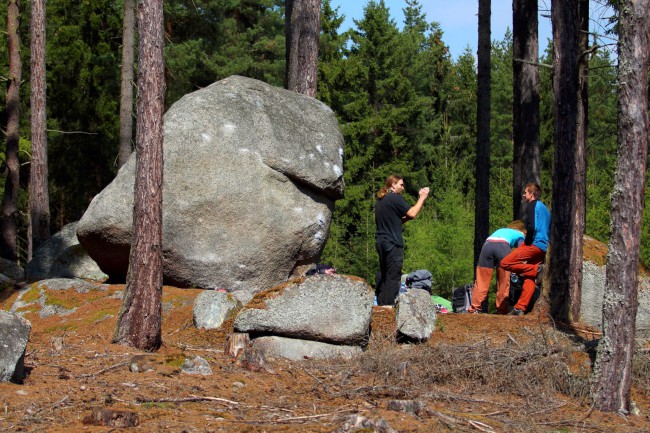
<point>540,274</point>
<point>516,312</point>
<point>472,311</point>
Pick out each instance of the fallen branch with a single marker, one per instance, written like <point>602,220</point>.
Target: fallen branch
<point>197,349</point>
<point>52,406</point>
<point>191,398</point>
<point>481,426</point>
<point>292,419</point>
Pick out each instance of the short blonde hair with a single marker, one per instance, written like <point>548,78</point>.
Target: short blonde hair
<point>517,225</point>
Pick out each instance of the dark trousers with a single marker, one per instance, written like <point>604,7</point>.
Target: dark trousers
<point>391,259</point>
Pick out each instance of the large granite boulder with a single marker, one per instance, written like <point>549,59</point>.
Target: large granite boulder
<point>61,256</point>
<point>593,293</point>
<point>251,172</point>
<point>14,333</point>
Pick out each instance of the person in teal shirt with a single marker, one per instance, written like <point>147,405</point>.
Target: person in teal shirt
<point>496,247</point>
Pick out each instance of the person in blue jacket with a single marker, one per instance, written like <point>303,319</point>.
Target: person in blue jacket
<point>497,246</point>
<point>391,211</point>
<point>527,259</point>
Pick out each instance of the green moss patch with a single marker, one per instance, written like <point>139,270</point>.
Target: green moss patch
<point>32,295</point>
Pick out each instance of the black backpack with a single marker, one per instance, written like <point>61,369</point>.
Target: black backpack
<point>516,286</point>
<point>461,298</point>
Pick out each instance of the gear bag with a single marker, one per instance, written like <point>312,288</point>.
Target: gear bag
<point>461,298</point>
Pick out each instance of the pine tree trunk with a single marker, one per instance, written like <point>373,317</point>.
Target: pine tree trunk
<point>525,106</point>
<point>126,88</point>
<point>580,190</point>
<point>139,321</point>
<point>8,219</point>
<point>302,32</point>
<point>613,368</point>
<point>39,200</point>
<point>484,88</point>
<point>564,16</point>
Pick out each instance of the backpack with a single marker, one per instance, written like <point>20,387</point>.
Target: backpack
<point>461,298</point>
<point>516,286</point>
<point>420,279</point>
<point>320,269</point>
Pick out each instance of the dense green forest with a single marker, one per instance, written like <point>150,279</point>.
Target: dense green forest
<point>404,106</point>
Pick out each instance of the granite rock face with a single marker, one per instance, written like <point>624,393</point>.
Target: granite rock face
<point>14,334</point>
<point>251,173</point>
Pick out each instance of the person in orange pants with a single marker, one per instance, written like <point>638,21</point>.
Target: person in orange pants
<point>527,259</point>
<point>495,248</point>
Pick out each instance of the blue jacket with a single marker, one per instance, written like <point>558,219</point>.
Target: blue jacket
<point>538,221</point>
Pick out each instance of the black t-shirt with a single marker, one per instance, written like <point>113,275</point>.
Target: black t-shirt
<point>389,212</point>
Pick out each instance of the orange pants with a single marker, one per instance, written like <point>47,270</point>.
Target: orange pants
<point>524,261</point>
<point>482,286</point>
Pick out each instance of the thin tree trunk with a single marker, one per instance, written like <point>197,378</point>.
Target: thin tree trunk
<point>564,16</point>
<point>8,219</point>
<point>139,321</point>
<point>525,106</point>
<point>126,90</point>
<point>580,190</point>
<point>39,200</point>
<point>484,88</point>
<point>613,367</point>
<point>302,31</point>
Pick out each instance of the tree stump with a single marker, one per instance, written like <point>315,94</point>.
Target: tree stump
<point>236,343</point>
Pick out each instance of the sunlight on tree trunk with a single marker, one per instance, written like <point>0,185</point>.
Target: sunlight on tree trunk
<point>302,30</point>
<point>39,200</point>
<point>580,190</point>
<point>139,321</point>
<point>612,375</point>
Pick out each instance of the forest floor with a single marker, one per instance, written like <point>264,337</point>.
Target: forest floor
<point>477,373</point>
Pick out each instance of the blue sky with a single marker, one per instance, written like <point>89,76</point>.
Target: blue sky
<point>457,19</point>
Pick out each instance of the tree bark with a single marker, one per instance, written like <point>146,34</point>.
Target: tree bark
<point>564,16</point>
<point>613,367</point>
<point>139,321</point>
<point>580,189</point>
<point>484,88</point>
<point>39,200</point>
<point>126,88</point>
<point>8,219</point>
<point>525,106</point>
<point>302,31</point>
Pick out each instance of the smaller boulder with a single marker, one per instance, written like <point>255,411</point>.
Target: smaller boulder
<point>212,308</point>
<point>332,309</point>
<point>63,257</point>
<point>416,315</point>
<point>196,365</point>
<point>14,334</point>
<point>300,350</point>
<point>11,270</point>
